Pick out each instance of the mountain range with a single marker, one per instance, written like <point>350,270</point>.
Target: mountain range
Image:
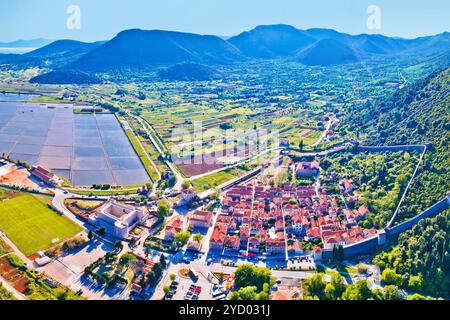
<point>155,49</point>
<point>34,43</point>
<point>22,46</point>
<point>140,49</point>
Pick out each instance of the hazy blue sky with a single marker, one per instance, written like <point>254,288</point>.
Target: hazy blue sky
<point>102,19</point>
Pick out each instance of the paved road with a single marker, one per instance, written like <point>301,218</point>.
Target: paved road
<point>156,144</point>
<point>58,203</point>
<point>324,134</point>
<point>252,158</point>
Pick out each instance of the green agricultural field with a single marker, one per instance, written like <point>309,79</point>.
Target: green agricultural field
<point>32,226</point>
<point>216,179</point>
<point>142,155</point>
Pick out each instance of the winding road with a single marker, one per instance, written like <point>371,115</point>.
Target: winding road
<point>178,176</point>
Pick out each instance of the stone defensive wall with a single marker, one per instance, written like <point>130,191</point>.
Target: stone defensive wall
<point>419,148</point>
<point>390,233</point>
<point>429,213</point>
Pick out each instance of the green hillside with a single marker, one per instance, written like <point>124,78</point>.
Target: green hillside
<point>418,114</point>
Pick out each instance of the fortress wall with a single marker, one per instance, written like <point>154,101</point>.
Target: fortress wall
<point>366,245</point>
<point>430,212</point>
<point>391,148</point>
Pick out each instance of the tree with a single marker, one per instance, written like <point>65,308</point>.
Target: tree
<point>182,237</point>
<point>163,210</point>
<point>186,184</point>
<point>391,293</point>
<point>419,260</point>
<point>340,253</point>
<point>118,245</point>
<point>416,296</point>
<point>335,288</point>
<point>301,145</point>
<point>362,268</point>
<point>132,243</point>
<point>389,276</point>
<point>263,295</point>
<point>162,261</point>
<point>248,275</point>
<point>357,291</point>
<point>126,258</point>
<point>245,293</point>
<point>315,285</point>
<point>415,283</point>
<point>167,290</point>
<point>158,269</point>
<point>198,237</point>
<point>152,278</point>
<point>173,277</point>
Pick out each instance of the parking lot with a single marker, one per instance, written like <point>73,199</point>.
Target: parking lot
<point>190,288</point>
<point>69,268</point>
<point>301,263</point>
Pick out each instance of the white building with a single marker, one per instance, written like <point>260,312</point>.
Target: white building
<point>118,219</point>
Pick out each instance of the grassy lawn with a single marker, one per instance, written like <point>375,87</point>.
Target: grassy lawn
<point>110,192</point>
<point>32,226</point>
<point>216,179</point>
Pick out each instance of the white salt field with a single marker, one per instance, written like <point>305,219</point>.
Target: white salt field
<point>87,149</point>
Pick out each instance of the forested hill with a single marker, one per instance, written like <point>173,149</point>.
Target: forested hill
<point>417,114</point>
<point>420,262</point>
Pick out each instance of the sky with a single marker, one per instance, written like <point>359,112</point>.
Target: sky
<point>103,19</point>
